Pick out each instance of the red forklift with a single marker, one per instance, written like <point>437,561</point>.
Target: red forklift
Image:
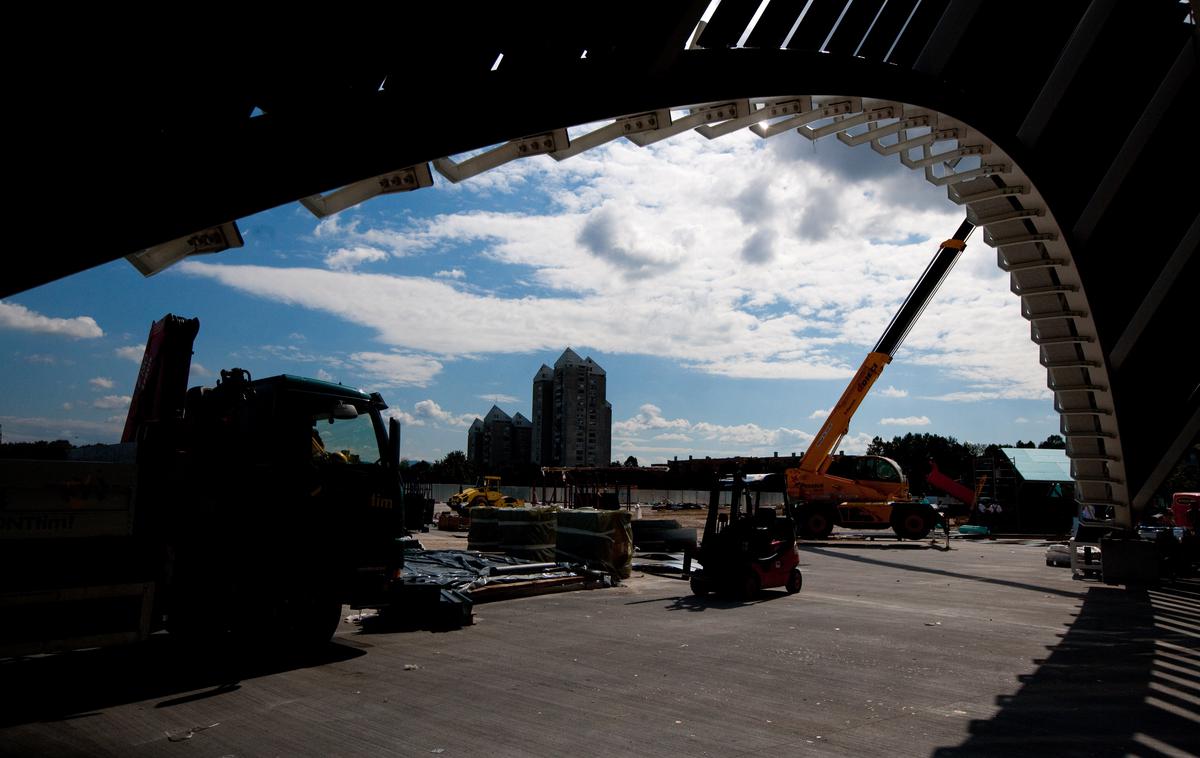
<point>751,548</point>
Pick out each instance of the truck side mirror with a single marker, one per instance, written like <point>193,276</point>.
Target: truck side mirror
<point>394,442</point>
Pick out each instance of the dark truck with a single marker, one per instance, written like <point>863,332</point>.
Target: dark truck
<point>255,508</point>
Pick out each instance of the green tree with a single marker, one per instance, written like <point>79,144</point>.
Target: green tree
<point>913,452</point>
<point>1053,442</point>
<point>453,468</point>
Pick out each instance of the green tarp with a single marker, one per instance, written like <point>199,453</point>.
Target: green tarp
<point>602,539</point>
<point>527,533</point>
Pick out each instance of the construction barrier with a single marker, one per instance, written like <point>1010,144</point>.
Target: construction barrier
<point>601,539</point>
<point>527,533</point>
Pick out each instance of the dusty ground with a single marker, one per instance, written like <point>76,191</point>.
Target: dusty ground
<point>896,648</point>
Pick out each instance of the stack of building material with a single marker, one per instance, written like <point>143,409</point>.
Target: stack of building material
<point>602,540</point>
<point>527,533</point>
<point>484,533</point>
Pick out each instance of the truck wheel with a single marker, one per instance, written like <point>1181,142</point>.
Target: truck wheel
<point>912,524</point>
<point>318,622</point>
<point>479,502</point>
<point>795,582</point>
<point>700,586</point>
<point>815,523</point>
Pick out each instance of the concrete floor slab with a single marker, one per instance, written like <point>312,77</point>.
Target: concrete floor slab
<point>978,650</point>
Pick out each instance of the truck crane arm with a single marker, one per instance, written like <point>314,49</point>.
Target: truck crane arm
<point>820,451</point>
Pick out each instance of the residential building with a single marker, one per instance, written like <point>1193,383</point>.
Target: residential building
<point>499,442</point>
<point>572,420</point>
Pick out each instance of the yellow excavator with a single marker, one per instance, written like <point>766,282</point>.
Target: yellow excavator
<point>868,491</point>
<point>485,493</point>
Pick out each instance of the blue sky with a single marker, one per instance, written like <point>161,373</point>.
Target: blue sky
<point>729,288</point>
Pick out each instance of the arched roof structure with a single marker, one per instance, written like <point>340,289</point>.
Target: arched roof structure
<point>1063,128</point>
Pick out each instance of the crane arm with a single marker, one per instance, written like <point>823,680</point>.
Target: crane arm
<point>837,424</point>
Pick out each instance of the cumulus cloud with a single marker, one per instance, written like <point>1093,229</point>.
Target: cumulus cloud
<point>891,391</point>
<point>905,421</point>
<point>42,358</point>
<point>200,372</point>
<point>350,258</point>
<point>396,369</point>
<point>429,413</point>
<point>760,247</point>
<point>614,238</point>
<point>650,418</point>
<point>819,214</point>
<point>617,218</point>
<point>819,413</point>
<point>101,382</point>
<point>130,353</point>
<point>324,375</point>
<point>110,402</point>
<point>451,273</point>
<point>20,318</point>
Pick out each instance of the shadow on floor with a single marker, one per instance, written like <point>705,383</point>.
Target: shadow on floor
<point>1123,680</point>
<point>78,684</point>
<point>944,572</point>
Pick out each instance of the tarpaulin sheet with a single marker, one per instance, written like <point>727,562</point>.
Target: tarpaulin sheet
<point>528,532</point>
<point>464,569</point>
<point>484,533</point>
<point>601,539</point>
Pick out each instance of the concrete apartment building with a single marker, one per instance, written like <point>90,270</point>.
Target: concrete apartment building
<point>499,442</point>
<point>572,421</point>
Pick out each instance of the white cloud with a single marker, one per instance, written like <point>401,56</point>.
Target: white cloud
<point>648,417</point>
<point>79,431</point>
<point>819,413</point>
<point>453,273</point>
<point>404,417</point>
<point>41,358</point>
<point>429,413</point>
<point>619,220</point>
<point>855,444</point>
<point>350,258</point>
<point>906,421</point>
<point>324,375</point>
<point>891,391</point>
<point>130,353</point>
<point>726,436</point>
<point>200,372</point>
<point>20,318</point>
<point>101,382</point>
<point>111,401</point>
<point>498,398</point>
<point>67,406</point>
<point>396,369</point>
<point>1020,420</point>
<point>428,410</point>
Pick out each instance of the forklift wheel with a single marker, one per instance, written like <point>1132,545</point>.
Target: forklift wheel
<point>795,582</point>
<point>700,587</point>
<point>751,585</point>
